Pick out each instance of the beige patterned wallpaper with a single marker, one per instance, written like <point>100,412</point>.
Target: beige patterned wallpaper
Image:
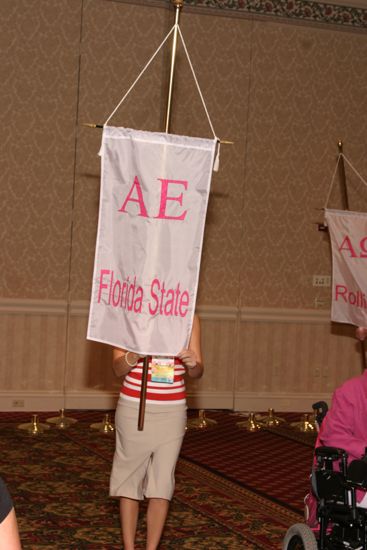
<point>283,91</point>
<point>39,42</point>
<point>307,91</point>
<point>115,49</point>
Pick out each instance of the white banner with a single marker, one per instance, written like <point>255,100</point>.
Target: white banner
<point>154,196</point>
<point>348,235</point>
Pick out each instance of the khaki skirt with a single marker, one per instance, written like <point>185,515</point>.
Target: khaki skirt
<point>144,461</point>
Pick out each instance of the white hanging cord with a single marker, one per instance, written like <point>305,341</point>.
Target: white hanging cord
<point>196,82</point>
<point>336,167</point>
<point>354,170</point>
<point>332,181</point>
<point>140,75</point>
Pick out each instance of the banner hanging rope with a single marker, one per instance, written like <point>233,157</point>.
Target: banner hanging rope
<point>341,155</point>
<point>147,65</point>
<point>140,75</point>
<point>196,82</point>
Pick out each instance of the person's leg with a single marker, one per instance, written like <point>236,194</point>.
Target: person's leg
<point>9,535</point>
<point>129,511</point>
<point>156,518</point>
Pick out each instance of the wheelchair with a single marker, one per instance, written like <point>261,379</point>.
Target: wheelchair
<point>337,522</point>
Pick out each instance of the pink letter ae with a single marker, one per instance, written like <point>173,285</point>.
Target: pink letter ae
<point>165,198</point>
<point>139,199</point>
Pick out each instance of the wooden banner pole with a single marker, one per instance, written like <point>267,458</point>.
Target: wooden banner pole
<point>178,6</point>
<point>343,181</point>
<point>143,393</point>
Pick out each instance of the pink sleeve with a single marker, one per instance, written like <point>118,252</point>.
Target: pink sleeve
<point>338,427</point>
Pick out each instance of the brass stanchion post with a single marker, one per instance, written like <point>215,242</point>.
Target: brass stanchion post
<point>201,422</point>
<point>105,427</point>
<point>305,424</point>
<point>34,427</point>
<point>270,421</point>
<point>61,422</point>
<point>251,424</point>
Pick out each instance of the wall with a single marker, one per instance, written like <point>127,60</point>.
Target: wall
<point>283,86</point>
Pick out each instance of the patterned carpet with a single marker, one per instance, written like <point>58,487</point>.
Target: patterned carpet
<point>274,463</point>
<point>234,489</point>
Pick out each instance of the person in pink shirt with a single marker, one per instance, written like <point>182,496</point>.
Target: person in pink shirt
<point>345,424</point>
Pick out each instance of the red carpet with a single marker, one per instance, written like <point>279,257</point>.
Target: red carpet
<point>272,463</point>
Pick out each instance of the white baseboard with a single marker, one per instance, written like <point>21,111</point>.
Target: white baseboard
<point>54,401</point>
<point>247,402</point>
<point>260,402</point>
<point>210,400</point>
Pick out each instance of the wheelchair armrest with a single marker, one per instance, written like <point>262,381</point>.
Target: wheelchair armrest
<point>330,453</point>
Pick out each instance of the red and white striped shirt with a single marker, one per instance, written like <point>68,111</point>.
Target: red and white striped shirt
<point>157,392</point>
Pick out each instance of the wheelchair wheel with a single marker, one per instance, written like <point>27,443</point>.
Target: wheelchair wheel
<point>299,537</point>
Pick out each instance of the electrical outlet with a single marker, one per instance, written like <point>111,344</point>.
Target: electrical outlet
<point>321,280</point>
<point>18,403</point>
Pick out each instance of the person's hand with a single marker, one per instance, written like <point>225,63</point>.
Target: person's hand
<point>124,361</point>
<point>188,358</point>
<point>361,333</point>
<point>132,358</point>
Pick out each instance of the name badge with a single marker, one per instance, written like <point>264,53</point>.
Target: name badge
<point>163,369</point>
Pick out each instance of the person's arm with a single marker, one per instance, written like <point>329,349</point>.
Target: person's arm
<point>192,357</point>
<point>123,361</point>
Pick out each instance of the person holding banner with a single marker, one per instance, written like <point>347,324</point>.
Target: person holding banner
<point>144,461</point>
